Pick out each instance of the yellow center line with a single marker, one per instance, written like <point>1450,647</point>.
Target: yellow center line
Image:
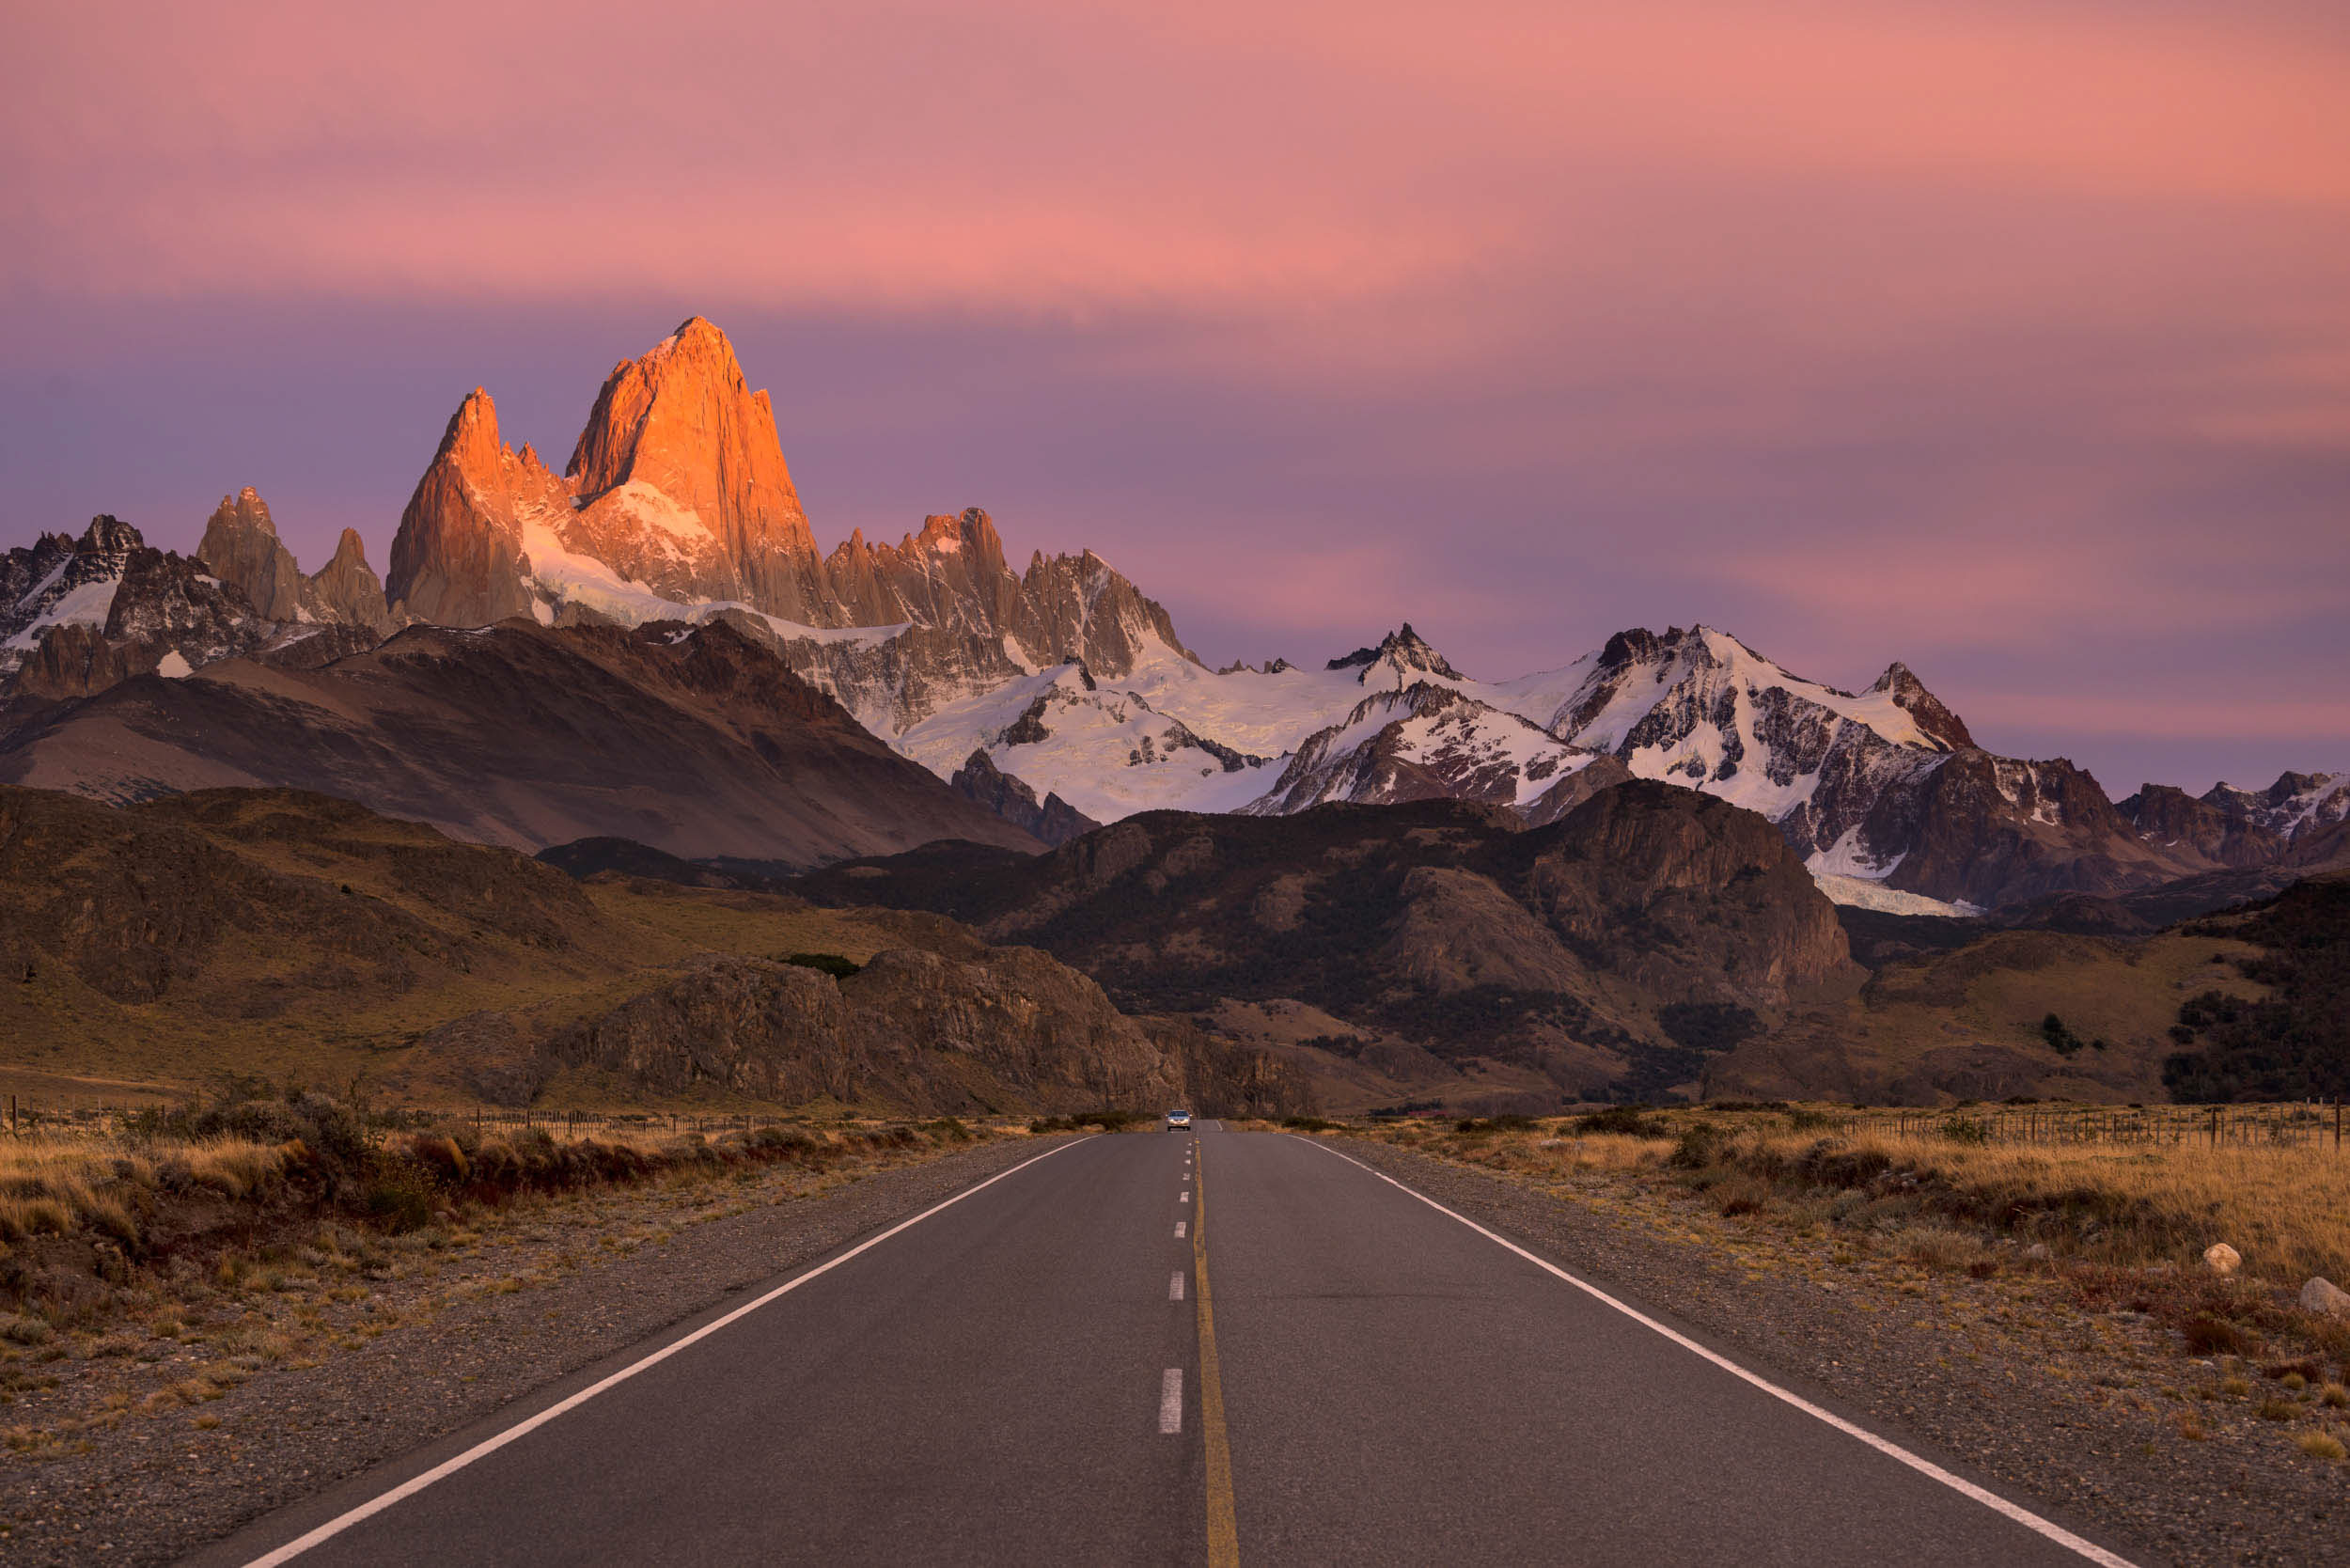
<point>1223,1535</point>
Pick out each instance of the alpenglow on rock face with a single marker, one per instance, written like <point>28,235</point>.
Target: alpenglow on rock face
<point>1057,695</point>
<point>678,504</point>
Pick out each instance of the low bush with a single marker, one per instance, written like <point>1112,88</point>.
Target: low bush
<point>1626,1121</point>
<point>1483,1126</point>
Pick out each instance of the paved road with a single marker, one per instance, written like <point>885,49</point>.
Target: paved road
<point>1017,1378</point>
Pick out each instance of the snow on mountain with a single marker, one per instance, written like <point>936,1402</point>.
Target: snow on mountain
<point>1426,741</point>
<point>2295,805</point>
<point>1701,708</point>
<point>1101,745</point>
<point>1863,893</point>
<point>1065,679</point>
<point>60,580</point>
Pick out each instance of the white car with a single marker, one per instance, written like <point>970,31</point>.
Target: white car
<point>1178,1120</point>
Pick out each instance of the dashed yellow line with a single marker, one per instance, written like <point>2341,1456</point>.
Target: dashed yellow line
<point>1223,1535</point>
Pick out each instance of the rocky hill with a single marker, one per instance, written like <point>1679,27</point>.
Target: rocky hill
<point>698,741</point>
<point>291,935</point>
<point>1588,953</point>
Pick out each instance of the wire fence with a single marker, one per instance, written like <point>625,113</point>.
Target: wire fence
<point>2303,1125</point>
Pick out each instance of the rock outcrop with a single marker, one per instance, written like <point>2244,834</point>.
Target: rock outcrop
<point>1009,1026</point>
<point>347,591</point>
<point>1434,921</point>
<point>242,546</point>
<point>108,607</point>
<point>1053,820</point>
<point>457,557</point>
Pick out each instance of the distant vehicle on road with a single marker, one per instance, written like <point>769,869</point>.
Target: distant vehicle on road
<point>1178,1120</point>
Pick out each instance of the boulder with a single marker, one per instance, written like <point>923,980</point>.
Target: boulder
<point>2322,1296</point>
<point>2221,1259</point>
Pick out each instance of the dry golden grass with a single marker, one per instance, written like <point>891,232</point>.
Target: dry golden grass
<point>2286,1208</point>
<point>2123,1225</point>
<point>58,1185</point>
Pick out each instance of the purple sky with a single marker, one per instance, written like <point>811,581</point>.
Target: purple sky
<point>2013,342</point>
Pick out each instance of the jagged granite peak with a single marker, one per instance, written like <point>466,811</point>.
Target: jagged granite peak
<point>678,506</point>
<point>242,546</point>
<point>680,422</point>
<point>1402,654</point>
<point>950,575</point>
<point>346,591</point>
<point>457,557</point>
<point>1053,820</point>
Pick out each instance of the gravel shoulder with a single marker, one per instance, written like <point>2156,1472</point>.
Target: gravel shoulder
<point>543,1291</point>
<point>2089,1415</point>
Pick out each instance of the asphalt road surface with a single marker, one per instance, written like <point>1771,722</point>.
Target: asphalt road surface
<point>1064,1364</point>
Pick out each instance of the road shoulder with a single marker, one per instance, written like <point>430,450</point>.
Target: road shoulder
<point>2055,1407</point>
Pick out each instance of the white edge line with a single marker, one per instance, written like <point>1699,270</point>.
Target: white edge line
<point>447,1468</point>
<point>1172,1401</point>
<point>1926,1467</point>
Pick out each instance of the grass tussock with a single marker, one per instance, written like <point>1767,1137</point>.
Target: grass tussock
<point>93,1223</point>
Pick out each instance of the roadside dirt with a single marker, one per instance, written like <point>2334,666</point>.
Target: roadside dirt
<point>158,1444</point>
<point>2093,1416</point>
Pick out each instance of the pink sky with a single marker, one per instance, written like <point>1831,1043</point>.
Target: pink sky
<point>2011,340</point>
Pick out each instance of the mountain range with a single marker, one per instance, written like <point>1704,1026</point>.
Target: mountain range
<point>649,645</point>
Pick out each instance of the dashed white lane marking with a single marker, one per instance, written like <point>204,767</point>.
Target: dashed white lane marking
<point>1172,1401</point>
<point>1184,1199</point>
<point>414,1484</point>
<point>1179,1229</point>
<point>1992,1500</point>
<point>1175,1286</point>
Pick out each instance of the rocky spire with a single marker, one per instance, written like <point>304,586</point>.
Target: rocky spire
<point>457,559</point>
<point>682,420</point>
<point>242,546</point>
<point>346,590</point>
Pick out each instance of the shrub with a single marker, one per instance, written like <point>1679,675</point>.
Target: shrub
<point>1700,1146</point>
<point>1479,1128</point>
<point>2210,1335</point>
<point>1966,1129</point>
<point>400,1199</point>
<point>1626,1120</point>
<point>835,965</point>
<point>1309,1124</point>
